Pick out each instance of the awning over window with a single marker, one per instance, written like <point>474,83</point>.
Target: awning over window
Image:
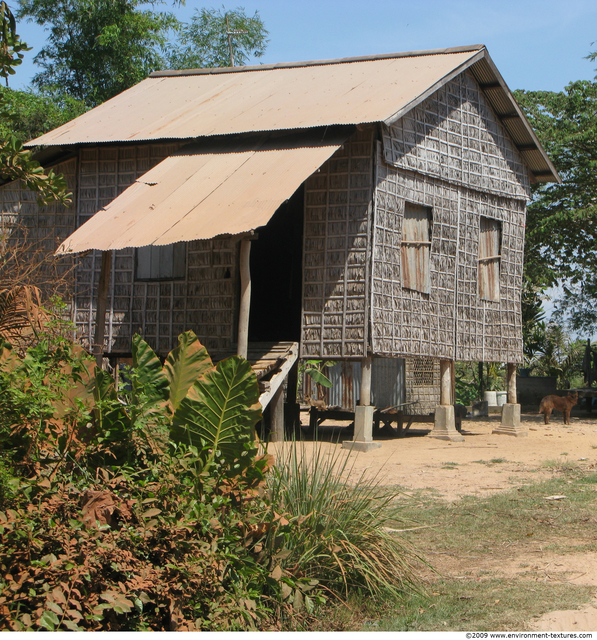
<point>227,186</point>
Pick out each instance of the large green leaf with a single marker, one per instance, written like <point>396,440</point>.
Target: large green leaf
<point>184,366</point>
<point>110,415</point>
<point>220,410</point>
<point>150,377</point>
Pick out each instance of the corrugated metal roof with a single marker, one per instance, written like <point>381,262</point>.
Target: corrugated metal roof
<point>283,97</point>
<point>206,189</point>
<point>211,102</point>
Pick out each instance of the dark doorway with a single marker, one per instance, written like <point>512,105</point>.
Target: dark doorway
<point>276,275</point>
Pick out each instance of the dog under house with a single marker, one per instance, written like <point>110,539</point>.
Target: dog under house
<point>369,211</point>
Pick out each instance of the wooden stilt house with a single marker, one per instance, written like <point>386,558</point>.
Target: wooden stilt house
<point>359,208</point>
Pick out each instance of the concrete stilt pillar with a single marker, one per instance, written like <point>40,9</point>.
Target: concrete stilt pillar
<point>444,427</point>
<point>511,423</point>
<point>363,415</point>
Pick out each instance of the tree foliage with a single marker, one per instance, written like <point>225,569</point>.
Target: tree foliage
<point>17,163</point>
<point>205,41</point>
<point>561,237</point>
<point>97,48</point>
<point>32,114</point>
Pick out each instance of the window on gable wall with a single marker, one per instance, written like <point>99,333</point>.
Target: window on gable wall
<point>416,247</point>
<point>490,243</point>
<point>162,263</point>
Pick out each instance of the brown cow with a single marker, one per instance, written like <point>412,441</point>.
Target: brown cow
<point>559,403</point>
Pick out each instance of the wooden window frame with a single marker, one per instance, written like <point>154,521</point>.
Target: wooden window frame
<point>490,258</point>
<point>159,263</point>
<point>415,252</point>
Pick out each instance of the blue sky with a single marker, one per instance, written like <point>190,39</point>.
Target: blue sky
<point>535,44</point>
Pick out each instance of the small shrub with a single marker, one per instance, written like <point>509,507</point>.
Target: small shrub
<point>337,529</point>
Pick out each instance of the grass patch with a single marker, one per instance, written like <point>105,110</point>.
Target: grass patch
<point>467,538</point>
<point>462,605</point>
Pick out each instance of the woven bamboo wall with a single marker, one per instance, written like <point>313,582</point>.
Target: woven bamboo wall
<point>454,135</point>
<point>422,386</point>
<point>337,253</point>
<point>203,301</point>
<point>449,139</point>
<point>41,229</point>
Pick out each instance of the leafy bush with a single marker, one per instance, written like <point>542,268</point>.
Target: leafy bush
<point>144,505</point>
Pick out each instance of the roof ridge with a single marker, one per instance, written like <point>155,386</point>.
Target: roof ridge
<point>313,63</point>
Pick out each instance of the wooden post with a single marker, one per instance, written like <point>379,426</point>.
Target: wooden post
<point>512,399</point>
<point>277,416</point>
<point>364,413</point>
<point>101,307</point>
<point>444,426</point>
<point>292,410</point>
<point>445,368</point>
<point>365,399</point>
<point>245,297</point>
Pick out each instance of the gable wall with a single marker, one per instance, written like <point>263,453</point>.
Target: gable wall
<point>451,154</point>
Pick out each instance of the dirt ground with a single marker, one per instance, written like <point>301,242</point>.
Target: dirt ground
<point>455,469</point>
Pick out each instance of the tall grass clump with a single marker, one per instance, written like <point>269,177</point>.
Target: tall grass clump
<point>339,529</point>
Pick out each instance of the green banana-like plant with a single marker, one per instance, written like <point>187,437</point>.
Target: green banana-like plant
<point>220,411</point>
<point>214,408</point>
<point>184,365</point>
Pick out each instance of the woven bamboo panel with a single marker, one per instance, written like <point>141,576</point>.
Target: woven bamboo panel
<point>407,322</point>
<point>40,228</point>
<point>454,135</point>
<point>336,253</point>
<point>422,385</point>
<point>160,310</point>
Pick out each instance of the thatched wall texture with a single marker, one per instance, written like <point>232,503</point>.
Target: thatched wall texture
<point>160,310</point>
<point>449,154</point>
<point>38,230</point>
<point>336,259</point>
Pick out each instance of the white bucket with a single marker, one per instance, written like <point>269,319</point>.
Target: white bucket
<point>491,398</point>
<point>502,397</point>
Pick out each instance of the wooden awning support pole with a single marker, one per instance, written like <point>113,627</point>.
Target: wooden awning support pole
<point>102,305</point>
<point>245,297</point>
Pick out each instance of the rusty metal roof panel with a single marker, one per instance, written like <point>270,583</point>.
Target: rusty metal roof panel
<point>205,190</point>
<point>214,102</point>
<point>190,105</point>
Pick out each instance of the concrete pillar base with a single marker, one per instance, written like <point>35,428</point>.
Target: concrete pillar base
<point>363,430</point>
<point>444,427</point>
<point>362,447</point>
<point>511,423</point>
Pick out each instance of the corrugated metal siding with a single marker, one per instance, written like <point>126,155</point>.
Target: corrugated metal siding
<point>387,384</point>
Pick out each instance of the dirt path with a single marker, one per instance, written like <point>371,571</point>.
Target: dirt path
<point>484,464</point>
